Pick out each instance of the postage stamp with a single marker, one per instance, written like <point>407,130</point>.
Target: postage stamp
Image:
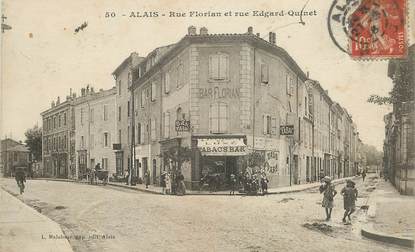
<point>370,29</point>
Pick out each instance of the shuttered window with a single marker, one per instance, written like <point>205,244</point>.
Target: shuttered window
<point>167,83</point>
<point>218,66</point>
<point>153,91</point>
<point>167,125</point>
<point>264,73</point>
<point>218,117</point>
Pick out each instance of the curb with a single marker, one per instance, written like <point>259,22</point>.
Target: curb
<point>343,180</point>
<point>370,233</point>
<point>68,246</point>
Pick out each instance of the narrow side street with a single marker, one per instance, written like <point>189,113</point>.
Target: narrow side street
<point>134,221</point>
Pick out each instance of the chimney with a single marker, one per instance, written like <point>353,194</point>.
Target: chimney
<point>58,101</point>
<point>53,104</point>
<point>270,37</point>
<point>250,30</point>
<point>74,95</point>
<point>92,90</point>
<point>258,34</point>
<point>191,30</point>
<point>203,31</point>
<point>82,92</point>
<point>274,38</point>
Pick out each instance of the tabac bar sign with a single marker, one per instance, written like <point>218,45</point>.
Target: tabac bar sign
<point>287,130</point>
<point>182,125</point>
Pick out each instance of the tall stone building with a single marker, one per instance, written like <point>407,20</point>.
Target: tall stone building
<point>58,148</point>
<point>225,97</point>
<point>399,148</point>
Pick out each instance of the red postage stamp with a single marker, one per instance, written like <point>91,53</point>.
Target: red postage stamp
<point>377,29</point>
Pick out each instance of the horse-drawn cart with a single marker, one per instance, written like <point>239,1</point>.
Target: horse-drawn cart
<point>101,175</point>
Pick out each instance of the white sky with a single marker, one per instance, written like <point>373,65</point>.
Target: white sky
<point>40,68</point>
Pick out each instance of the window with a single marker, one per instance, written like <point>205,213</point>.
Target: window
<point>106,139</point>
<point>91,115</point>
<point>128,134</point>
<point>82,116</point>
<point>64,119</point>
<point>142,134</point>
<point>167,125</point>
<point>218,117</point>
<point>59,120</point>
<point>130,81</point>
<point>65,142</point>
<point>153,129</point>
<point>264,73</point>
<point>128,109</point>
<point>167,83</point>
<point>180,75</point>
<point>153,91</point>
<point>266,124</point>
<point>105,112</point>
<point>305,106</point>
<point>119,113</point>
<point>289,82</point>
<point>119,87</point>
<point>104,164</point>
<point>218,66</point>
<point>82,142</point>
<point>143,96</point>
<point>138,135</point>
<point>119,136</point>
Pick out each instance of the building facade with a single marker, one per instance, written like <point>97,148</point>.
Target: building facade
<point>225,97</point>
<point>95,124</point>
<point>58,146</point>
<point>399,146</point>
<point>13,154</point>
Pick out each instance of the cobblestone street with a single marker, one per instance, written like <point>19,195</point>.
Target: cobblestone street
<point>136,221</point>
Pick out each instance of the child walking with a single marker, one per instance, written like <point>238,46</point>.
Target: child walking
<point>349,193</point>
<point>329,193</point>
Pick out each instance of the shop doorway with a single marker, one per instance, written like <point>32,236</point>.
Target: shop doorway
<point>154,171</point>
<point>295,166</point>
<point>218,169</point>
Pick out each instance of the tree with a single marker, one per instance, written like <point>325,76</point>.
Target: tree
<point>402,90</point>
<point>34,142</point>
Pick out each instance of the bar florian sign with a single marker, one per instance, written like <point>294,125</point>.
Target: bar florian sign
<point>287,130</point>
<point>222,146</point>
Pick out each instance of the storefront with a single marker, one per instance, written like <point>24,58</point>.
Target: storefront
<point>218,156</point>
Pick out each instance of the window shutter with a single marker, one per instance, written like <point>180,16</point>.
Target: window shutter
<point>223,67</point>
<point>167,83</point>
<point>264,73</point>
<point>264,124</point>
<point>214,66</point>
<point>153,91</point>
<point>274,126</point>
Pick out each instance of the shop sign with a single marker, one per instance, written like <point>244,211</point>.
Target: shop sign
<point>222,147</point>
<point>182,125</point>
<point>219,93</point>
<point>287,130</point>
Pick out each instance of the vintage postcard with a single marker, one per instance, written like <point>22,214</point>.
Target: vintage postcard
<point>160,125</point>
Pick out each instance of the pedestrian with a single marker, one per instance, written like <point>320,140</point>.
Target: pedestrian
<point>127,174</point>
<point>168,184</point>
<point>20,177</point>
<point>349,193</point>
<point>363,175</point>
<point>163,182</point>
<point>329,192</point>
<point>233,184</point>
<point>181,190</point>
<point>147,178</point>
<point>264,183</point>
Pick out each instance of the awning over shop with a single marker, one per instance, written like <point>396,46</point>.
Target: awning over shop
<point>222,146</point>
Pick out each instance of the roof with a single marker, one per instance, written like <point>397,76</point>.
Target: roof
<point>221,38</point>
<point>95,96</point>
<point>19,148</point>
<point>129,60</point>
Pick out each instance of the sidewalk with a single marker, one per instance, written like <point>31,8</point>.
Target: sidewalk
<point>22,228</point>
<point>391,216</point>
<point>158,190</point>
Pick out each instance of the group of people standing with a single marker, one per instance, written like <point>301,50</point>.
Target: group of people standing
<point>349,193</point>
<point>178,186</point>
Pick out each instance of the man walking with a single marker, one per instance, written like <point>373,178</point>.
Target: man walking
<point>363,175</point>
<point>20,177</point>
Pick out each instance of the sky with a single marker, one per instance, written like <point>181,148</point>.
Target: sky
<point>44,58</point>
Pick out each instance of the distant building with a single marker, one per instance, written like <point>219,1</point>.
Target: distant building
<point>95,130</point>
<point>58,142</point>
<point>13,154</point>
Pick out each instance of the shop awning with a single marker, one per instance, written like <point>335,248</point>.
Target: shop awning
<point>222,146</point>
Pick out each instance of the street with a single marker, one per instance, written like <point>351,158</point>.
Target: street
<point>134,221</point>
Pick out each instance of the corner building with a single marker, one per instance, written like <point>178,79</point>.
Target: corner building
<point>236,90</point>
